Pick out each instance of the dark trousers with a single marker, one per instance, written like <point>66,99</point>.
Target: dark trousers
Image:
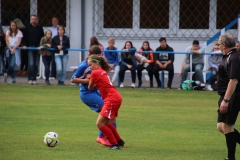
<point>170,70</point>
<point>47,61</point>
<point>33,62</point>
<point>122,71</point>
<point>53,66</point>
<point>149,69</point>
<point>24,60</point>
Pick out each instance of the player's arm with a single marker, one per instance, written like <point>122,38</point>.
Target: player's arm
<point>80,80</point>
<point>91,85</point>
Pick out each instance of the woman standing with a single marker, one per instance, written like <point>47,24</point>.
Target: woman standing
<point>128,62</point>
<point>13,40</point>
<point>61,42</point>
<point>150,64</point>
<point>46,54</point>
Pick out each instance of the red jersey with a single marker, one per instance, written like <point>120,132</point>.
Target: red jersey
<point>102,81</point>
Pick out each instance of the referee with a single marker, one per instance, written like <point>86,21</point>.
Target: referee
<point>229,91</point>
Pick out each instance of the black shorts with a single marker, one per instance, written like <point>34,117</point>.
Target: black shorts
<point>233,109</point>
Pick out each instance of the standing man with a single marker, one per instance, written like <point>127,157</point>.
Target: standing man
<point>32,36</point>
<point>197,62</point>
<point>164,61</point>
<point>229,91</point>
<point>54,33</point>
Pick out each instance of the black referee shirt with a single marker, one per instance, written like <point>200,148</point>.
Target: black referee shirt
<point>228,69</point>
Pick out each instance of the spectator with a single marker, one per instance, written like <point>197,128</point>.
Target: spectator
<point>197,62</point>
<point>54,28</point>
<point>164,61</point>
<point>61,42</point>
<point>2,51</point>
<point>128,62</point>
<point>13,40</point>
<point>32,36</point>
<point>148,64</point>
<point>24,54</point>
<point>214,61</point>
<point>94,41</point>
<point>112,58</point>
<point>238,46</point>
<point>46,54</point>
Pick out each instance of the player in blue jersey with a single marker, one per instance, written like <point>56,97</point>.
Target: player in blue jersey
<point>91,98</point>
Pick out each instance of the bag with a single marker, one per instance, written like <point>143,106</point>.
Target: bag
<point>187,85</point>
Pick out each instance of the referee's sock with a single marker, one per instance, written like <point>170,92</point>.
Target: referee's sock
<point>231,144</point>
<point>100,134</point>
<point>237,135</point>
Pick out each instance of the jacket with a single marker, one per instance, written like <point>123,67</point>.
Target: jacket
<point>164,57</point>
<point>65,43</point>
<point>44,50</point>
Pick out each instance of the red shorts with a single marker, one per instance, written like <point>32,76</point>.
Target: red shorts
<point>110,109</point>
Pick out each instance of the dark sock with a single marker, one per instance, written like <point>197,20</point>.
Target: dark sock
<point>231,144</point>
<point>237,134</point>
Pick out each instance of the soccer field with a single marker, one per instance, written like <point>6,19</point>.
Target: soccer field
<point>154,123</point>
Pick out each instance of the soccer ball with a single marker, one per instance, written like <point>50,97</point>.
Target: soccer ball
<point>51,139</point>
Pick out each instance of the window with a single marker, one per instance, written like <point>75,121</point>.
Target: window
<point>14,9</point>
<point>154,14</point>
<point>48,9</point>
<point>194,14</point>
<point>227,12</point>
<point>118,13</point>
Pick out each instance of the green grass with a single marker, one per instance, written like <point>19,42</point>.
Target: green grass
<point>155,124</point>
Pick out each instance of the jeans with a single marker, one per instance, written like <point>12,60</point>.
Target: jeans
<point>170,69</point>
<point>47,61</point>
<point>123,68</point>
<point>11,63</point>
<point>213,75</point>
<point>197,67</point>
<point>53,65</point>
<point>116,72</point>
<point>61,66</point>
<point>33,62</point>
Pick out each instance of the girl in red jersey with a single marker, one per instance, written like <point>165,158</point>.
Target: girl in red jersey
<point>111,97</point>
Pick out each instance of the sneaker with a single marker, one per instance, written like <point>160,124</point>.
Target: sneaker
<point>139,84</point>
<point>209,88</point>
<point>151,84</point>
<point>34,82</point>
<point>121,85</point>
<point>133,85</point>
<point>30,82</point>
<point>24,73</point>
<point>19,72</point>
<point>5,77</point>
<point>103,140</point>
<point>228,159</point>
<point>179,88</point>
<point>114,147</point>
<point>12,81</point>
<point>121,143</point>
<point>47,83</point>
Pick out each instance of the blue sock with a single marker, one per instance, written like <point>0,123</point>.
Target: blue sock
<point>100,134</point>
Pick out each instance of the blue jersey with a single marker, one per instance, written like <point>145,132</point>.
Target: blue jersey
<point>81,72</point>
<point>91,98</point>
